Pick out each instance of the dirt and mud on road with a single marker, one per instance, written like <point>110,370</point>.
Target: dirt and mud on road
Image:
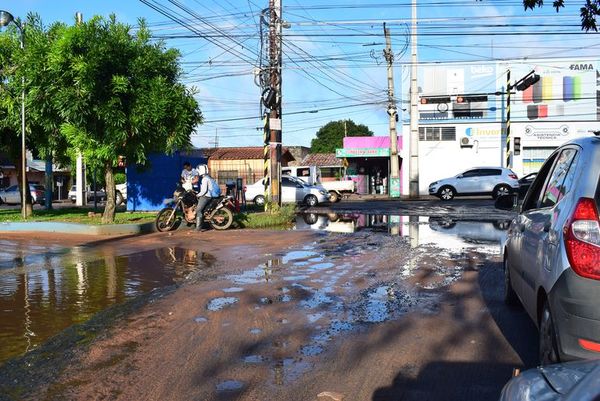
<point>364,307</point>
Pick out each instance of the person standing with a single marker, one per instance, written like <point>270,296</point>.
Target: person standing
<point>188,174</point>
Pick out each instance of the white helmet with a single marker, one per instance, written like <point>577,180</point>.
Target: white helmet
<point>202,169</point>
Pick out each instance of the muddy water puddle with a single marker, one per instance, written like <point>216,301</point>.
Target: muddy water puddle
<point>42,293</point>
<point>347,282</point>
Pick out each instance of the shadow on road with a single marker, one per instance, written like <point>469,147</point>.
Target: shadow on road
<point>514,323</point>
<point>448,381</point>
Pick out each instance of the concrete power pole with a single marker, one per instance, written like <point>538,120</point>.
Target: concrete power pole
<point>80,198</point>
<point>394,178</point>
<point>413,167</point>
<point>508,90</point>
<point>275,61</point>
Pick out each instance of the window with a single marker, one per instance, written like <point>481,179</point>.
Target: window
<point>286,182</point>
<point>560,179</point>
<point>331,172</point>
<point>224,176</point>
<point>437,133</point>
<point>488,172</point>
<point>471,173</point>
<point>303,172</point>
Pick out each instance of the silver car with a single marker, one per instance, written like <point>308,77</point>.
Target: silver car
<point>552,253</point>
<point>293,190</point>
<point>494,181</point>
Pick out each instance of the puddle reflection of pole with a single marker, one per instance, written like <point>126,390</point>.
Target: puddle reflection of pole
<point>27,333</point>
<point>413,231</point>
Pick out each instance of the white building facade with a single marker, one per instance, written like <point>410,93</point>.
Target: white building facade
<point>463,110</point>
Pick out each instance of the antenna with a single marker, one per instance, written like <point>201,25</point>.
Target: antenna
<point>215,142</point>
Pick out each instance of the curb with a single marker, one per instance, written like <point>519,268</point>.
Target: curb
<point>76,228</point>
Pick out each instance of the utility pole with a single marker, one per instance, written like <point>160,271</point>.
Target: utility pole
<point>394,177</point>
<point>345,128</point>
<point>413,167</point>
<point>80,198</point>
<point>508,90</point>
<point>275,60</point>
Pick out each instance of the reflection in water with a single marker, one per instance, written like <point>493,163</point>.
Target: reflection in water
<point>420,230</point>
<point>37,301</point>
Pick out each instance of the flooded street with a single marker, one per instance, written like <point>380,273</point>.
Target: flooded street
<point>362,305</point>
<point>45,292</point>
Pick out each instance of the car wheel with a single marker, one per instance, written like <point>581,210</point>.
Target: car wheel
<point>501,190</point>
<point>333,197</point>
<point>310,218</point>
<point>259,200</point>
<point>446,193</point>
<point>548,346</point>
<point>311,200</point>
<point>119,198</point>
<point>510,296</point>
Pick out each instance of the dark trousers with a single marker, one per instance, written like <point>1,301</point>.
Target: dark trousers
<point>203,201</point>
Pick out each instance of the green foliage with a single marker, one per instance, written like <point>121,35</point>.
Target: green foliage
<point>330,137</point>
<point>120,178</point>
<point>119,94</point>
<point>589,11</point>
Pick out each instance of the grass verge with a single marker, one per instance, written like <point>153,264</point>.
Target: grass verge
<point>75,215</point>
<point>282,217</point>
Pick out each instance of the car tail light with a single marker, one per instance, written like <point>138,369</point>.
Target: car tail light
<point>582,239</point>
<point>513,176</point>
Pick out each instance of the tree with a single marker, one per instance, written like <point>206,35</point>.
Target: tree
<point>330,136</point>
<point>119,95</point>
<point>589,11</point>
<point>28,66</point>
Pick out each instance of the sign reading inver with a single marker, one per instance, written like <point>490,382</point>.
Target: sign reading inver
<point>362,152</point>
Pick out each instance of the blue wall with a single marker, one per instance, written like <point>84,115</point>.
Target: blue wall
<point>149,188</point>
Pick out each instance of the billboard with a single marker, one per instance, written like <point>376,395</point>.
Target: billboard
<point>568,90</point>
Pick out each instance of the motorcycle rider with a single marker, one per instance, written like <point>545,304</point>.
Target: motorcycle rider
<point>209,189</point>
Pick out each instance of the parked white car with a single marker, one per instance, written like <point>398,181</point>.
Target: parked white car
<point>494,181</point>
<point>12,195</point>
<point>292,191</point>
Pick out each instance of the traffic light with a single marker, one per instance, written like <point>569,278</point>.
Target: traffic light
<point>517,142</point>
<point>527,82</point>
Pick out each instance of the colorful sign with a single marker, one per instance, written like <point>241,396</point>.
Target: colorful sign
<point>362,152</point>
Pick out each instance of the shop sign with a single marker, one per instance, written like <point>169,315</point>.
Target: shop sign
<point>547,133</point>
<point>362,152</point>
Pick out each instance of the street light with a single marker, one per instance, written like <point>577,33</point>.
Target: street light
<point>5,19</point>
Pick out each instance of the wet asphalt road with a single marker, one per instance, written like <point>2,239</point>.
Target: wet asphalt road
<point>371,306</point>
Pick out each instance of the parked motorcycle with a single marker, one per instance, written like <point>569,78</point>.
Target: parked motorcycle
<point>218,213</point>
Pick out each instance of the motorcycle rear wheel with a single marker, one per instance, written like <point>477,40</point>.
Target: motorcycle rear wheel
<point>166,219</point>
<point>221,219</point>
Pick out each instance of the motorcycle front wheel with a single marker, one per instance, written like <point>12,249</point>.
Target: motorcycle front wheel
<point>221,219</point>
<point>166,219</point>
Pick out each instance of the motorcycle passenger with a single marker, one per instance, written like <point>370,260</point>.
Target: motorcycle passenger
<point>209,189</point>
<point>188,174</point>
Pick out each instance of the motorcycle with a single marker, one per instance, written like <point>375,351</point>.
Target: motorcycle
<point>218,213</point>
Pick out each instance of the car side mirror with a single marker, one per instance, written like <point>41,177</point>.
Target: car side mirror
<point>506,202</point>
<point>299,186</point>
<point>459,176</point>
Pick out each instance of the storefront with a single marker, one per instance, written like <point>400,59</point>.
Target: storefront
<point>463,115</point>
<point>367,161</point>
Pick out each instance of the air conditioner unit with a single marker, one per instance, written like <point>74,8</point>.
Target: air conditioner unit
<point>466,142</point>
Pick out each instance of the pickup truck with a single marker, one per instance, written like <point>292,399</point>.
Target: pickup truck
<point>336,189</point>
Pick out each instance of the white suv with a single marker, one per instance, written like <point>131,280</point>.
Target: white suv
<point>494,181</point>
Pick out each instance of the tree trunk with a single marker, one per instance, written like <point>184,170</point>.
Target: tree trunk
<point>26,207</point>
<point>109,211</point>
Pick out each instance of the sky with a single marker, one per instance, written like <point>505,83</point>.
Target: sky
<point>333,65</point>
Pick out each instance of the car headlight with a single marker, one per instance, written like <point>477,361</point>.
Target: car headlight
<point>433,183</point>
<point>323,192</point>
